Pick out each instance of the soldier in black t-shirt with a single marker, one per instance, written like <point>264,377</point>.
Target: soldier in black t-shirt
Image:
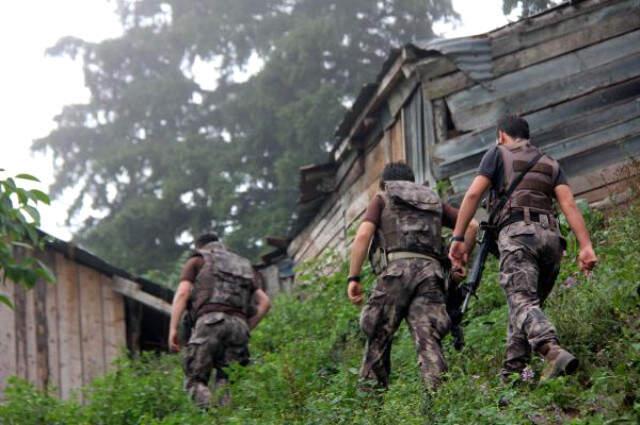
<point>528,241</point>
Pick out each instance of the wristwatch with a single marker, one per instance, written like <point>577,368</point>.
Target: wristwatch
<point>457,238</point>
<point>356,278</point>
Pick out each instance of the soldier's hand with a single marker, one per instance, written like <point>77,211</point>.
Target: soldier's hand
<point>458,274</point>
<point>174,345</point>
<point>587,259</point>
<point>354,292</point>
<point>458,254</point>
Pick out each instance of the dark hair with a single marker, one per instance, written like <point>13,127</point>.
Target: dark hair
<point>396,171</point>
<point>206,238</point>
<point>514,126</point>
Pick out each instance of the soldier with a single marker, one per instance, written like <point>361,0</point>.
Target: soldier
<point>219,287</point>
<point>406,220</point>
<point>529,242</point>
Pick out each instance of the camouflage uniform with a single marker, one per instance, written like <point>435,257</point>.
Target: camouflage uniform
<point>410,287</point>
<point>221,301</point>
<point>529,263</point>
<point>218,340</point>
<point>530,252</point>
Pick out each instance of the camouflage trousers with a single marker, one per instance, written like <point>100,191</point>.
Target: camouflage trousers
<point>530,257</point>
<point>411,289</point>
<point>217,340</point>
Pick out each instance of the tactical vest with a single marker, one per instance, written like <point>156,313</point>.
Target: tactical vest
<point>536,191</point>
<point>411,219</point>
<point>225,279</point>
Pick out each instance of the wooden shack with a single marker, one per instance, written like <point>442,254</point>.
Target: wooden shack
<point>573,72</point>
<point>62,335</point>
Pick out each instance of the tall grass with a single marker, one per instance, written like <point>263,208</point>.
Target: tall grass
<point>306,356</point>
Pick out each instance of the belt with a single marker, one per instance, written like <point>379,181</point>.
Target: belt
<point>221,308</point>
<point>547,220</point>
<point>405,255</point>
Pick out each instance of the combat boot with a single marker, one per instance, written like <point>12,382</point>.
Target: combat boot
<point>558,362</point>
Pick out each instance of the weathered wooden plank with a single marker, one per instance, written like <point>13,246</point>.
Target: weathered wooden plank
<point>563,121</point>
<point>601,177</point>
<point>69,316</point>
<point>30,336</point>
<point>523,35</point>
<point>331,225</point>
<point>398,148</point>
<point>53,326</point>
<point>445,86</point>
<point>581,154</point>
<point>91,324</point>
<point>429,141</point>
<point>611,27</point>
<point>20,308</point>
<point>400,95</point>
<point>613,24</point>
<point>132,290</point>
<point>440,120</point>
<point>41,334</point>
<point>557,91</point>
<point>433,67</point>
<point>538,75</point>
<point>539,121</point>
<point>8,365</point>
<point>575,145</point>
<point>113,320</point>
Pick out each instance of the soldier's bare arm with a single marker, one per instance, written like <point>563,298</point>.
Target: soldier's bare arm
<point>177,308</point>
<point>358,255</point>
<point>458,252</point>
<point>587,258</point>
<point>263,305</point>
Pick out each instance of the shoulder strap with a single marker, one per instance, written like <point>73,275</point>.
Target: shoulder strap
<point>514,184</point>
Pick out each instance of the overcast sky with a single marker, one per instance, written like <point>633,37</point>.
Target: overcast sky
<point>34,87</point>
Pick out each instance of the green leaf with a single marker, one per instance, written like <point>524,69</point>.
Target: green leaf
<point>44,272</point>
<point>40,196</point>
<point>6,301</point>
<point>35,215</point>
<point>25,176</point>
<point>22,245</point>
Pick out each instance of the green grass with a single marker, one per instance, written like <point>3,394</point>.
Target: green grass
<point>307,352</point>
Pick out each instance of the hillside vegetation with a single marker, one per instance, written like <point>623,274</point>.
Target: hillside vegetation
<point>307,353</point>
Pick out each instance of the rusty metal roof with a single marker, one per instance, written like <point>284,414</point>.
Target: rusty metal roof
<point>472,55</point>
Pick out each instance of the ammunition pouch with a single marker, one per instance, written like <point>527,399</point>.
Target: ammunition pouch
<point>377,255</point>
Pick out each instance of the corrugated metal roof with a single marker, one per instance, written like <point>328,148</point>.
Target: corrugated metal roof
<point>472,55</point>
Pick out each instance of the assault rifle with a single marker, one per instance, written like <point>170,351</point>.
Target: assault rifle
<point>488,236</point>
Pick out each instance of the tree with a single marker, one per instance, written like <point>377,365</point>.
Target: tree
<point>158,156</point>
<point>19,221</point>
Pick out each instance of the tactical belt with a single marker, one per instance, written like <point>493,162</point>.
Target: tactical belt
<point>405,255</point>
<point>221,308</point>
<point>546,220</point>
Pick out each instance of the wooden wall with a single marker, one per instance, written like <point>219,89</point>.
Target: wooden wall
<point>341,212</point>
<point>61,336</point>
<point>573,73</point>
<point>575,77</point>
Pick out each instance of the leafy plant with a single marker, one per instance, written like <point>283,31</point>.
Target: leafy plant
<point>19,237</point>
<point>307,352</point>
